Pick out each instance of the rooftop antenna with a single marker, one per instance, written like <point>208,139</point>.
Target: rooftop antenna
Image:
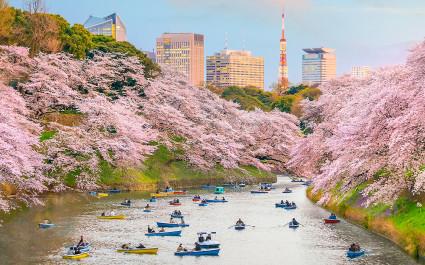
<point>226,41</point>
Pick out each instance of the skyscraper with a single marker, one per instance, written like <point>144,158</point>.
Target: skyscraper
<point>360,71</point>
<point>319,65</point>
<point>283,66</point>
<point>235,68</point>
<point>183,52</point>
<point>111,25</point>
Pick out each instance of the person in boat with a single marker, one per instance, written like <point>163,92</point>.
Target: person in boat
<point>103,214</point>
<point>180,248</point>
<point>201,238</point>
<point>216,198</point>
<point>293,204</point>
<point>281,202</point>
<point>150,230</point>
<point>162,229</point>
<point>112,213</point>
<point>286,202</point>
<point>182,221</point>
<point>147,206</point>
<point>332,216</point>
<point>354,247</point>
<point>204,201</point>
<point>46,221</point>
<point>223,199</point>
<point>128,201</point>
<point>126,246</point>
<point>80,243</point>
<point>140,246</point>
<point>294,222</point>
<point>197,246</point>
<point>239,222</point>
<point>172,220</point>
<point>208,237</point>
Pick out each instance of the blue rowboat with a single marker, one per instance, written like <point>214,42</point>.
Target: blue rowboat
<point>160,224</point>
<point>152,200</point>
<point>219,190</point>
<point>203,204</point>
<point>176,216</point>
<point>169,233</point>
<point>45,226</point>
<point>93,193</point>
<point>215,201</point>
<point>114,191</point>
<point>126,204</point>
<point>83,249</point>
<point>147,210</point>
<point>287,191</point>
<point>280,205</point>
<point>259,191</point>
<point>290,207</point>
<point>206,252</point>
<point>292,225</point>
<point>355,254</point>
<point>239,227</point>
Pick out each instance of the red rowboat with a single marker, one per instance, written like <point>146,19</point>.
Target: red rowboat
<point>179,192</point>
<point>175,203</point>
<point>332,221</point>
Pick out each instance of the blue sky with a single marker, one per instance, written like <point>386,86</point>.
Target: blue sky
<point>363,32</point>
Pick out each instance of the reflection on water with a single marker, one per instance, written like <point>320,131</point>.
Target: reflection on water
<point>269,242</point>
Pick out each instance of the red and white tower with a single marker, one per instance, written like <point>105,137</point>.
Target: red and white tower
<point>283,66</point>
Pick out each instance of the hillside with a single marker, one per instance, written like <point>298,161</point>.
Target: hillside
<point>85,123</point>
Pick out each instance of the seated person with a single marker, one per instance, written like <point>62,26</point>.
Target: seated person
<point>125,246</point>
<point>140,246</point>
<point>208,237</point>
<point>162,229</point>
<point>201,238</point>
<point>294,222</point>
<point>197,247</point>
<point>180,248</point>
<point>150,230</point>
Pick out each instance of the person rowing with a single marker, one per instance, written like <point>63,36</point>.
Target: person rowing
<point>161,230</point>
<point>140,246</point>
<point>180,248</point>
<point>147,206</point>
<point>281,202</point>
<point>294,222</point>
<point>240,222</point>
<point>354,247</point>
<point>332,216</point>
<point>201,238</point>
<point>287,202</point>
<point>150,230</point>
<point>223,199</point>
<point>126,246</point>
<point>208,237</point>
<point>216,198</point>
<point>81,242</point>
<point>204,201</point>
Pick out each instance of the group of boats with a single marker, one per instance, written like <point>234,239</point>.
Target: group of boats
<point>205,245</point>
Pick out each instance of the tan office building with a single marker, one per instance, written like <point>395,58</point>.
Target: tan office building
<point>319,66</point>
<point>184,52</point>
<point>235,68</point>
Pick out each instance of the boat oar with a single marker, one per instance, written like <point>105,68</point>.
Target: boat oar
<point>286,224</point>
<point>250,225</point>
<point>231,226</point>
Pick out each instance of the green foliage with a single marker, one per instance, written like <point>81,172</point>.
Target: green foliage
<point>285,103</point>
<point>108,44</point>
<point>408,216</point>
<point>77,40</point>
<point>47,135</point>
<point>245,98</point>
<point>71,177</point>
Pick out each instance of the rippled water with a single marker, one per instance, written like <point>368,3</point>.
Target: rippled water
<point>269,242</point>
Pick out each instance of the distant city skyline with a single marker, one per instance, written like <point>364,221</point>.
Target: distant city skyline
<point>362,32</point>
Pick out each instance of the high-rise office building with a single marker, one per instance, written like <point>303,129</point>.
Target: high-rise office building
<point>183,52</point>
<point>360,71</point>
<point>235,68</point>
<point>111,25</point>
<point>283,66</point>
<point>319,65</point>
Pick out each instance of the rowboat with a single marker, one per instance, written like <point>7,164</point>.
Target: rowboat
<point>152,200</point>
<point>161,194</point>
<point>161,224</point>
<point>259,191</point>
<point>101,195</point>
<point>112,217</point>
<point>176,215</point>
<point>147,210</point>
<point>290,207</point>
<point>287,191</point>
<point>126,204</point>
<point>175,203</point>
<point>151,251</point>
<point>209,244</point>
<point>355,254</point>
<point>297,180</point>
<point>203,204</point>
<point>242,185</point>
<point>219,190</point>
<point>85,247</point>
<point>206,252</point>
<point>179,192</point>
<point>114,191</point>
<point>292,225</point>
<point>44,226</point>
<point>239,227</point>
<point>76,256</point>
<point>169,233</point>
<point>215,201</point>
<point>331,221</point>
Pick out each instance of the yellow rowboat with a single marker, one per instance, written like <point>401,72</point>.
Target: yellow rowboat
<point>112,217</point>
<point>101,195</point>
<point>76,256</point>
<point>152,251</point>
<point>161,194</point>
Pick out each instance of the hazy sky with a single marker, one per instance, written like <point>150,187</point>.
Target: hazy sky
<point>363,32</point>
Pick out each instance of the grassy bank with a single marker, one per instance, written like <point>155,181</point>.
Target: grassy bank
<point>403,222</point>
<point>166,167</point>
